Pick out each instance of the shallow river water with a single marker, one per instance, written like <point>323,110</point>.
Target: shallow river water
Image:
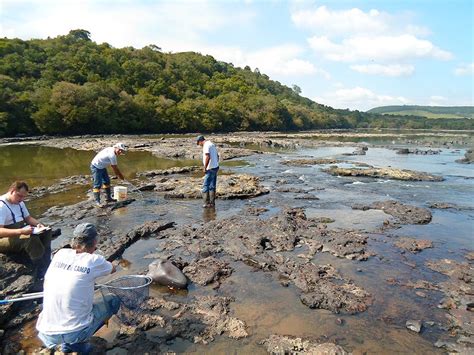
<point>265,306</point>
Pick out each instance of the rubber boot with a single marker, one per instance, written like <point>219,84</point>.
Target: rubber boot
<point>108,192</point>
<point>205,199</point>
<point>97,198</point>
<point>212,198</point>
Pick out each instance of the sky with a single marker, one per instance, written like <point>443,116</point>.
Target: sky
<point>345,54</point>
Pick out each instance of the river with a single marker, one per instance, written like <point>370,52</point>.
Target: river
<point>260,301</point>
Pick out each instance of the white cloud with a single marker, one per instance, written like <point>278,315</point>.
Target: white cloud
<point>384,70</point>
<point>335,22</point>
<point>464,69</point>
<point>379,48</point>
<point>437,100</point>
<point>120,23</point>
<point>359,98</point>
<point>283,60</point>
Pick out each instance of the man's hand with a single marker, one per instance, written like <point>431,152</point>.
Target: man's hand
<point>27,230</point>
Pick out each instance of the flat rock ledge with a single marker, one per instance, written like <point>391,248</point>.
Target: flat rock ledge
<point>283,245</point>
<point>413,245</point>
<point>199,320</point>
<point>459,302</point>
<point>383,173</point>
<point>283,345</point>
<point>405,214</point>
<point>238,186</point>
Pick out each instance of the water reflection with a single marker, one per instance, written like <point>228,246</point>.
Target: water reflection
<point>208,214</point>
<point>42,166</point>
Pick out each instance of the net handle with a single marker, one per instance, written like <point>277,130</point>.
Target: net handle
<point>148,279</point>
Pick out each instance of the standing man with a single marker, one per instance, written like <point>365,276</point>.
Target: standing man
<point>71,314</point>
<point>106,157</point>
<point>210,160</point>
<point>16,229</point>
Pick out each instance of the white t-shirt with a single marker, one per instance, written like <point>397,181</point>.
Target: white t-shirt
<point>5,214</point>
<point>210,148</point>
<point>69,291</point>
<point>105,158</point>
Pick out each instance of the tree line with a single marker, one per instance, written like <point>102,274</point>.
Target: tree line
<point>72,85</point>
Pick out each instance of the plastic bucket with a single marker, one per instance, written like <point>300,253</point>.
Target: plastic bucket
<point>120,193</point>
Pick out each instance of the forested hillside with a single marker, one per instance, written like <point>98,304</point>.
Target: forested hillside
<point>427,111</point>
<point>71,85</point>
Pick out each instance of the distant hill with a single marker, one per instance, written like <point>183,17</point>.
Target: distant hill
<point>71,85</point>
<point>426,111</point>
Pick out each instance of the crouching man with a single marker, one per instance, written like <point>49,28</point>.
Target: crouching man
<point>71,313</point>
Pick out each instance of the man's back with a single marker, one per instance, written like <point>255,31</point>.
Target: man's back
<point>69,291</point>
<point>105,158</point>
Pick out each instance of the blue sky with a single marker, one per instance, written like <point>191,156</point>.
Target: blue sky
<point>346,54</point>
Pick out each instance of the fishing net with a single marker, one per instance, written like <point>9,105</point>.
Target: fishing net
<point>132,290</point>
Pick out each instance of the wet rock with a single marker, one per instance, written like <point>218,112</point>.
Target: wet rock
<point>325,220</point>
<point>444,205</point>
<point>208,270</point>
<point>120,204</point>
<point>262,243</point>
<point>238,186</point>
<point>406,214</point>
<point>413,245</point>
<point>165,273</point>
<point>414,325</point>
<point>147,187</point>
<point>281,345</point>
<point>417,151</point>
<point>292,189</point>
<point>384,173</point>
<point>468,157</point>
<point>359,151</point>
<point>62,185</point>
<point>199,320</point>
<point>15,278</point>
<point>113,246</point>
<point>458,290</point>
<point>255,211</point>
<point>171,171</point>
<point>303,162</point>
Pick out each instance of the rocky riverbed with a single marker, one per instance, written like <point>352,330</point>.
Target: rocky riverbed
<point>287,219</point>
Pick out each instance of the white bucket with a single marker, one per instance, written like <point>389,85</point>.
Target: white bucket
<point>120,193</point>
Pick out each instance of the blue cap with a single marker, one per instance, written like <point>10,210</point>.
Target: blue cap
<point>200,139</point>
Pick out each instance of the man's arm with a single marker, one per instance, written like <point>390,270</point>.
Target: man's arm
<point>7,232</point>
<point>206,162</point>
<point>117,171</point>
<point>33,221</point>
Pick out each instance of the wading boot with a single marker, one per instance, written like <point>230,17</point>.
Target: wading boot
<point>205,199</point>
<point>97,199</point>
<point>212,198</point>
<point>109,198</point>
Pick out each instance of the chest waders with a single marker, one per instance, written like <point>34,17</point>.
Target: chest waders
<point>36,246</point>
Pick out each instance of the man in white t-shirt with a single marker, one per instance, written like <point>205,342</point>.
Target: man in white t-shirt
<point>106,157</point>
<point>71,314</point>
<point>16,229</point>
<point>210,161</point>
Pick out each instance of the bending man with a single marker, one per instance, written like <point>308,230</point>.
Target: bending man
<point>210,160</point>
<point>106,157</point>
<point>16,228</point>
<point>71,314</point>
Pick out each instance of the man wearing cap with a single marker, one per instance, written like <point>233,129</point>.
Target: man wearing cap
<point>106,157</point>
<point>210,160</point>
<point>16,229</point>
<point>71,313</point>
